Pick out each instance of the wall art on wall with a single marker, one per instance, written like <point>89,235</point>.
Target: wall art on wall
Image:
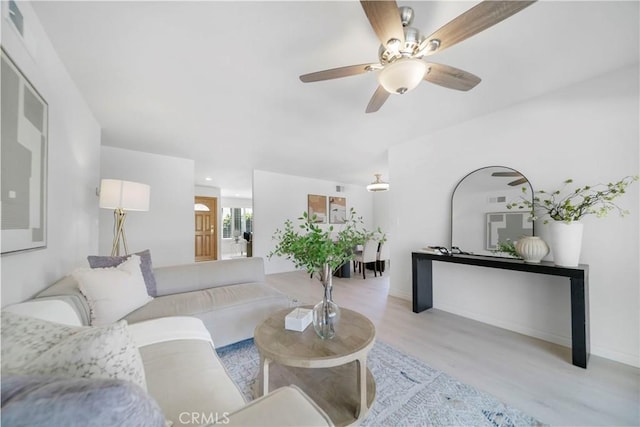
<point>318,207</point>
<point>23,156</point>
<point>337,210</point>
<point>503,226</point>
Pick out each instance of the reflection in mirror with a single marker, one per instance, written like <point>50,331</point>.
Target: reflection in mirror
<point>479,216</point>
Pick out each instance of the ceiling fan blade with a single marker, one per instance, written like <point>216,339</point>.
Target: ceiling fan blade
<point>336,73</point>
<point>518,182</point>
<point>471,22</point>
<point>378,98</point>
<point>506,174</point>
<point>384,17</point>
<point>451,77</point>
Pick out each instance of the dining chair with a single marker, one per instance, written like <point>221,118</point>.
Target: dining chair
<point>369,254</point>
<point>384,254</point>
<point>357,251</point>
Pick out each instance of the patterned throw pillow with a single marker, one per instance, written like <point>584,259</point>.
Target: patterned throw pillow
<point>80,352</point>
<point>24,338</point>
<point>112,292</point>
<point>146,267</point>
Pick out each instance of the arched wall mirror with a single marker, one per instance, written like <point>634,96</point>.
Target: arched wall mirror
<point>479,215</point>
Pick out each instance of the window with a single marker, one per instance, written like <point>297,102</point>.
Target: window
<point>235,221</point>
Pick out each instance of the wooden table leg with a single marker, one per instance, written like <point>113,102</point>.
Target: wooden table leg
<point>264,367</point>
<point>362,386</point>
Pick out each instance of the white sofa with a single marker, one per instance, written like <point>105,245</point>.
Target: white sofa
<point>175,335</point>
<point>231,297</point>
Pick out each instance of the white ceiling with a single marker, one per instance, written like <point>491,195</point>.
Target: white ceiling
<point>217,81</point>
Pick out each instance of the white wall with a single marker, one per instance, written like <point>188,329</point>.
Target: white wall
<point>167,229</point>
<point>73,166</point>
<point>236,202</point>
<point>382,210</point>
<point>588,132</point>
<point>278,197</point>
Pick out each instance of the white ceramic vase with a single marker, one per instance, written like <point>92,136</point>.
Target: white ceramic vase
<point>566,242</point>
<point>532,248</point>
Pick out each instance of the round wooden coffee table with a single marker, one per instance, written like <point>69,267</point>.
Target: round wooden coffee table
<point>332,372</point>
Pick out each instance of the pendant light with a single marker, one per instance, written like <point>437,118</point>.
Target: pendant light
<point>378,185</point>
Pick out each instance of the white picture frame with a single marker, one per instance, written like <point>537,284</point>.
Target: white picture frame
<point>23,156</point>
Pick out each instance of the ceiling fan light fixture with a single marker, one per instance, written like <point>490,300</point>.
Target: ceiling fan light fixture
<point>402,75</point>
<point>393,45</point>
<point>433,45</point>
<point>378,184</point>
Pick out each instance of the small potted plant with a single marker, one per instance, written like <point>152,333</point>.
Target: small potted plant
<point>567,208</point>
<point>507,247</point>
<point>320,252</point>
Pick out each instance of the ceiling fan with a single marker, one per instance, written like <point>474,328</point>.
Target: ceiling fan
<point>521,179</point>
<point>400,67</point>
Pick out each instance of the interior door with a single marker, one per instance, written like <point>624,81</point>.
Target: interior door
<point>206,236</point>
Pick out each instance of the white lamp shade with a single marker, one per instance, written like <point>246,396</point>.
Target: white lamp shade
<point>402,75</point>
<point>127,195</point>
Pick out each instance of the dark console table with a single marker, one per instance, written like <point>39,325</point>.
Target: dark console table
<point>422,270</point>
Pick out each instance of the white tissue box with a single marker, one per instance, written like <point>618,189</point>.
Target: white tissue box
<point>298,319</point>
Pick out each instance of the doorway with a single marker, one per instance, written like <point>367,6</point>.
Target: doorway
<point>206,234</point>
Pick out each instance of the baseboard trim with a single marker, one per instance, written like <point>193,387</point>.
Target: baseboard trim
<point>616,356</point>
<point>511,326</point>
<point>400,294</point>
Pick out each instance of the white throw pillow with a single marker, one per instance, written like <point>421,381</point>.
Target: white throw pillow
<point>113,292</point>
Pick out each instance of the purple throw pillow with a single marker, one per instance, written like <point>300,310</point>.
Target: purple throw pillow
<point>96,261</point>
<point>29,400</point>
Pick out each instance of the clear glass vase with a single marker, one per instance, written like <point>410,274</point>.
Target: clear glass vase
<point>326,313</point>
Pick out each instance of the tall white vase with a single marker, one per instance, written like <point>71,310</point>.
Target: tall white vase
<point>566,242</point>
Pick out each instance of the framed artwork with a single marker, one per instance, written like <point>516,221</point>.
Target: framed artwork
<point>318,207</point>
<point>503,226</point>
<point>337,210</point>
<point>23,157</point>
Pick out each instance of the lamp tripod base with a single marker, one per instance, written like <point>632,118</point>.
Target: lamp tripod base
<point>119,216</point>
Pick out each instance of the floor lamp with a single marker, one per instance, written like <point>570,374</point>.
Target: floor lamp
<point>122,196</point>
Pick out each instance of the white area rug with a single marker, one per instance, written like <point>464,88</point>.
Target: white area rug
<point>408,392</point>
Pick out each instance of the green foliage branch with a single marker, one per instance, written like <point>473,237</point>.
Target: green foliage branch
<point>310,246</point>
<point>561,205</point>
<point>506,247</point>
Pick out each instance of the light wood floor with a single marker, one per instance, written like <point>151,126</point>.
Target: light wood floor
<point>532,375</point>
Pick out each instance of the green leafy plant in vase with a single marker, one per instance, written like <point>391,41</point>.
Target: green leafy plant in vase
<point>320,251</point>
<point>506,247</point>
<point>566,208</point>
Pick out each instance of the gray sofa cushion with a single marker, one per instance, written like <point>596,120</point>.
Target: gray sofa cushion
<point>203,275</point>
<point>230,313</point>
<point>286,407</point>
<point>54,401</point>
<point>186,377</point>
